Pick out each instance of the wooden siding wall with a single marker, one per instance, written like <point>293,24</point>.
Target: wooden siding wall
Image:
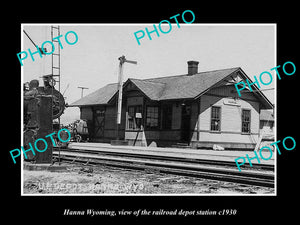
<point>86,113</point>
<point>231,123</point>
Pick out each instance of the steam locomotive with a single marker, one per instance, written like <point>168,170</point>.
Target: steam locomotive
<point>42,105</point>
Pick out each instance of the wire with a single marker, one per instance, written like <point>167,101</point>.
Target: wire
<point>30,38</point>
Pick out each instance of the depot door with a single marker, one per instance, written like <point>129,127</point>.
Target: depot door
<point>185,123</point>
<point>98,121</point>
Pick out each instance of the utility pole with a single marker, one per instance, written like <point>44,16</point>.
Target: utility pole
<point>82,90</point>
<point>120,89</point>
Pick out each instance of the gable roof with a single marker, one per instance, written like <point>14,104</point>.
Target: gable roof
<point>153,90</point>
<point>170,88</point>
<point>190,86</point>
<point>180,86</point>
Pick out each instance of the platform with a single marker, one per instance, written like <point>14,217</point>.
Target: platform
<point>224,155</point>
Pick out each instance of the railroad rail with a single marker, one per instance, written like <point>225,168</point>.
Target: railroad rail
<point>191,156</point>
<point>168,163</point>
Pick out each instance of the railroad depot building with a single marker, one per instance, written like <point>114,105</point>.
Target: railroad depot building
<point>198,109</point>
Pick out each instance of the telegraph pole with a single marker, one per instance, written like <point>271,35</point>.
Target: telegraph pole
<point>82,90</point>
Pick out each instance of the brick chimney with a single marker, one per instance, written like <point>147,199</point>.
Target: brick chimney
<point>192,67</point>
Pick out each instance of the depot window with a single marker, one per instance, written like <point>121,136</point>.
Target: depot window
<point>246,120</point>
<point>152,117</point>
<point>215,123</point>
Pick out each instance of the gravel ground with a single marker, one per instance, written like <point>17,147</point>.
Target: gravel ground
<point>105,180</point>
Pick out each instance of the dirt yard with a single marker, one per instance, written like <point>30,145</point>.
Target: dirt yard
<point>105,180</point>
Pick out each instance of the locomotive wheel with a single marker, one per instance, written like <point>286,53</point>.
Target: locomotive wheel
<point>58,102</point>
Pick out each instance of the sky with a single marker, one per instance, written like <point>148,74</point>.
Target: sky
<point>92,61</point>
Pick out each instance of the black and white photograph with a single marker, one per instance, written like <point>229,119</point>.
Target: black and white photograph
<point>144,109</point>
<point>150,113</point>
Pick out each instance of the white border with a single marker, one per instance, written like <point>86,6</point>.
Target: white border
<point>146,24</point>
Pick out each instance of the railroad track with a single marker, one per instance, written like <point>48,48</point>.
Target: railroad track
<point>224,161</point>
<point>171,165</point>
